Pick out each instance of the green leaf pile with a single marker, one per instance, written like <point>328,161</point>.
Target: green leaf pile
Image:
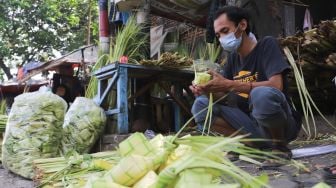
<point>33,131</point>
<point>83,124</point>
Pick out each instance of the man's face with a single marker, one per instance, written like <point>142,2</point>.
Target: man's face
<point>223,26</point>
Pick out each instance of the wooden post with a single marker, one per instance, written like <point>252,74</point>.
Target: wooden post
<point>122,102</point>
<point>142,103</point>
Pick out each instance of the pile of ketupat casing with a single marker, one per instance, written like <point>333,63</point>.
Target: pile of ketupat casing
<point>33,131</point>
<point>164,162</point>
<point>83,124</point>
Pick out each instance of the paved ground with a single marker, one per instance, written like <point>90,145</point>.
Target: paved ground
<point>291,177</point>
<point>10,180</point>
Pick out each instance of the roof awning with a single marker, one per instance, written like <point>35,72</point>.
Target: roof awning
<point>87,55</point>
<point>192,11</point>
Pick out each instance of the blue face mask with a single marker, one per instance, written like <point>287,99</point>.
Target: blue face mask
<point>230,43</point>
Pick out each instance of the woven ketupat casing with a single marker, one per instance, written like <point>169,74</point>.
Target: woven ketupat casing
<point>137,144</point>
<point>131,169</point>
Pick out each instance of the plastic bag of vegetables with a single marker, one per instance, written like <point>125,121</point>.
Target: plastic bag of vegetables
<point>33,131</point>
<point>83,124</point>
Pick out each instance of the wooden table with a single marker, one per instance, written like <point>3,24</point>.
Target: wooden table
<point>120,74</point>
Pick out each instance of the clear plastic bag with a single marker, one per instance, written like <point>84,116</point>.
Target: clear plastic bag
<point>33,131</point>
<point>83,124</point>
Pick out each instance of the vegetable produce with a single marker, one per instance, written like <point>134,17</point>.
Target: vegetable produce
<point>83,124</point>
<point>33,131</point>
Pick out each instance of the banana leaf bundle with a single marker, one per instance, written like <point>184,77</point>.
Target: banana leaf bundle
<point>33,131</point>
<point>83,124</point>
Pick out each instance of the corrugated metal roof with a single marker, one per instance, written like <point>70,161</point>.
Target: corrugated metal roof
<point>193,11</point>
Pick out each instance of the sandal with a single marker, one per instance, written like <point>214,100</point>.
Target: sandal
<point>329,175</point>
<point>280,152</point>
<point>233,156</point>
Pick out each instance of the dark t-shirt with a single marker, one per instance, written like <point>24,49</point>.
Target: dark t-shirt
<point>263,62</point>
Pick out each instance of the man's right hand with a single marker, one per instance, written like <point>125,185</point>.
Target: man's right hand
<point>197,91</point>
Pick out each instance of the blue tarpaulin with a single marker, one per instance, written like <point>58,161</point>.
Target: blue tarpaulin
<point>31,65</point>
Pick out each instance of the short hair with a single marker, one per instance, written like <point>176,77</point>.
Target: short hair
<point>235,14</point>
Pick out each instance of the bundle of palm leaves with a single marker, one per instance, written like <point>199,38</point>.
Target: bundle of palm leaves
<point>129,41</point>
<point>171,60</point>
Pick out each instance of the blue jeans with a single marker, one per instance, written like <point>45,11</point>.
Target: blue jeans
<point>269,108</point>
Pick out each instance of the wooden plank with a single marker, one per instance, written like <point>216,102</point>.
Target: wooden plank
<point>105,69</point>
<point>112,112</point>
<point>106,75</point>
<point>108,88</point>
<point>178,105</point>
<point>142,90</point>
<point>176,98</point>
<point>122,103</point>
<point>177,110</point>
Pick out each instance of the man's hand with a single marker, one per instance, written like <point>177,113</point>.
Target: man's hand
<point>217,84</point>
<point>197,91</point>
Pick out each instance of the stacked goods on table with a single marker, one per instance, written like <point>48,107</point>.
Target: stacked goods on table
<point>316,50</point>
<point>189,161</point>
<point>169,60</point>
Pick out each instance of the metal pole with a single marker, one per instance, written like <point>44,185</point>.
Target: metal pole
<point>104,27</point>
